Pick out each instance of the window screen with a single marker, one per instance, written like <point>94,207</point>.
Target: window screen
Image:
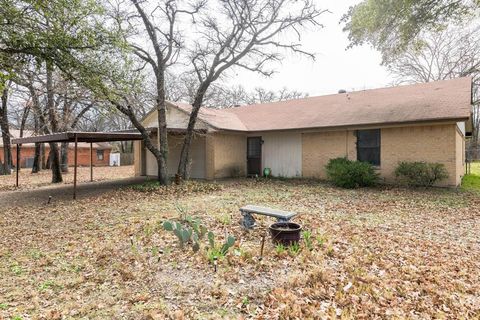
<point>368,146</point>
<point>254,147</point>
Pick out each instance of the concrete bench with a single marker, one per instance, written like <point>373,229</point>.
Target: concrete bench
<point>248,221</point>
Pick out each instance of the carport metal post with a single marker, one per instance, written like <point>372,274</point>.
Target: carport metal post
<point>75,169</point>
<point>17,165</point>
<point>91,162</point>
<point>76,137</point>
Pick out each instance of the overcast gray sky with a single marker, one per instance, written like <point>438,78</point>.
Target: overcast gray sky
<point>334,68</point>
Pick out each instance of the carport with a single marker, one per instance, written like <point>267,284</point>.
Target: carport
<point>75,137</point>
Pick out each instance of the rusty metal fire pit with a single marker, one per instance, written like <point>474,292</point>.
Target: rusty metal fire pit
<point>285,233</point>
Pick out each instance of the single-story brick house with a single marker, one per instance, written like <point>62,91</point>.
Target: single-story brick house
<point>101,152</point>
<point>296,138</point>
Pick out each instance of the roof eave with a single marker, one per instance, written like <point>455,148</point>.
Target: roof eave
<point>360,125</point>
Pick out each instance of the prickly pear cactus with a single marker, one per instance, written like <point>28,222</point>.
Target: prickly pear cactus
<point>193,233</point>
<point>228,244</point>
<point>167,225</point>
<point>196,243</point>
<point>211,239</point>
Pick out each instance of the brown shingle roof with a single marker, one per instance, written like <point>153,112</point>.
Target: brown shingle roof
<point>441,100</point>
<point>434,101</point>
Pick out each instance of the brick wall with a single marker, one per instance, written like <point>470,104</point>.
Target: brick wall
<point>430,143</point>
<point>83,156</point>
<point>228,152</point>
<point>443,143</point>
<point>434,143</point>
<point>319,147</point>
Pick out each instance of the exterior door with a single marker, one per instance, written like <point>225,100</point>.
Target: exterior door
<point>29,162</point>
<point>254,156</point>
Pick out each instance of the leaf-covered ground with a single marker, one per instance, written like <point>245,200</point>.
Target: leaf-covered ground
<point>28,181</point>
<point>376,253</point>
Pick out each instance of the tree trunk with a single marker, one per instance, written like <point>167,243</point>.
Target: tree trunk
<point>475,122</point>
<point>7,149</point>
<point>36,158</point>
<point>26,112</point>
<point>183,169</point>
<point>48,162</point>
<point>43,153</point>
<point>39,161</point>
<point>162,129</point>
<point>183,165</point>
<point>161,160</point>
<point>54,156</point>
<point>64,156</point>
<point>161,153</point>
<point>36,167</point>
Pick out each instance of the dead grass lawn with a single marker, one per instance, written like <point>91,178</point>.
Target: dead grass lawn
<point>377,253</point>
<point>28,181</point>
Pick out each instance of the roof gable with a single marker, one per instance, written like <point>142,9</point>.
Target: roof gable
<point>222,119</point>
<point>178,116</point>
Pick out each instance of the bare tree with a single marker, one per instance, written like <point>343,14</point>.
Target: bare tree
<point>57,105</point>
<point>16,111</point>
<point>260,95</point>
<point>246,34</point>
<point>164,43</point>
<point>73,102</point>
<point>4,126</point>
<point>53,121</point>
<point>228,97</point>
<point>102,118</point>
<point>221,96</point>
<point>451,53</point>
<point>40,121</point>
<point>62,34</point>
<point>23,122</point>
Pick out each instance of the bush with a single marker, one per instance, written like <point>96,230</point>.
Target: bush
<point>351,174</point>
<point>420,174</point>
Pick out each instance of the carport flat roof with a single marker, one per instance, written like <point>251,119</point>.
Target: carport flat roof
<point>80,136</point>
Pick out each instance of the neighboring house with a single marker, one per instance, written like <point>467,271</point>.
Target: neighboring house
<point>101,152</point>
<point>421,122</point>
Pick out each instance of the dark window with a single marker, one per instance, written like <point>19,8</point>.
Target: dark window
<point>99,154</point>
<point>368,146</point>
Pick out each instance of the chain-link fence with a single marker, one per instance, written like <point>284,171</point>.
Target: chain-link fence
<point>472,154</point>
